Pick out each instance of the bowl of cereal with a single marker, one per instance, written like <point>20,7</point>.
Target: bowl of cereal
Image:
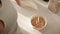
<point>38,22</point>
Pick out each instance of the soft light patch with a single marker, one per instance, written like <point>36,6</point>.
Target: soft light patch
<point>29,3</point>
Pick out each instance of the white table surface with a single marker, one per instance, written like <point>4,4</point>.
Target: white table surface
<point>24,16</point>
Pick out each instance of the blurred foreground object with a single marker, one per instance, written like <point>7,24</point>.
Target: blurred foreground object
<point>54,5</point>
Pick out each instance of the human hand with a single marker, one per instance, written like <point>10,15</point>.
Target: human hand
<point>1,26</point>
<point>18,2</point>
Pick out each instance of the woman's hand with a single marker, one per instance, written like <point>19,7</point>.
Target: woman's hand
<point>1,26</point>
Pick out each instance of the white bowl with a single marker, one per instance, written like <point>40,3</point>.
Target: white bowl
<point>43,26</point>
